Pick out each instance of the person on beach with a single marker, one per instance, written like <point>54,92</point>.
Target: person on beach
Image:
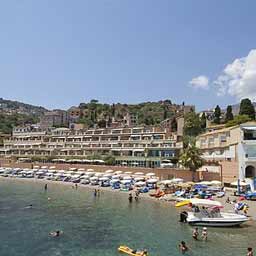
<point>45,187</point>
<point>130,197</point>
<point>95,192</point>
<point>195,234</point>
<point>204,234</point>
<point>249,251</point>
<point>228,201</point>
<point>183,247</point>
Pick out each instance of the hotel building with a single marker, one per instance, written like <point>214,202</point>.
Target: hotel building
<point>231,152</point>
<point>131,146</point>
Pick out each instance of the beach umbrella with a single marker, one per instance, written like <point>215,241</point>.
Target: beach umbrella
<point>76,176</point>
<point>177,180</point>
<point>52,167</point>
<point>152,181</point>
<point>115,181</point>
<point>70,172</point>
<point>72,169</point>
<point>90,170</point>
<point>103,179</point>
<point>241,183</point>
<point>140,184</point>
<point>150,174</point>
<point>39,173</point>
<point>107,175</point>
<point>81,169</point>
<point>207,183</point>
<point>139,178</point>
<point>61,171</point>
<point>98,174</point>
<point>109,171</point>
<point>44,167</point>
<point>138,173</point>
<point>36,167</point>
<point>118,172</point>
<point>94,178</point>
<point>127,178</point>
<point>125,181</point>
<point>216,182</point>
<point>89,173</point>
<point>166,182</point>
<point>98,161</point>
<point>127,172</point>
<point>58,174</point>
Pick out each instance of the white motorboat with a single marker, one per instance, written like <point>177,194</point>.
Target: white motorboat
<point>222,219</point>
<point>207,213</point>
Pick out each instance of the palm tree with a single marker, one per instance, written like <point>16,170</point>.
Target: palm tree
<point>191,159</point>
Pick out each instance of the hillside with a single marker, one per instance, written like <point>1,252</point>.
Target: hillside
<point>149,113</point>
<point>13,113</point>
<point>10,106</point>
<point>236,107</point>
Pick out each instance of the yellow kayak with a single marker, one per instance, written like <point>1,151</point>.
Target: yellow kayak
<point>182,203</point>
<point>129,251</point>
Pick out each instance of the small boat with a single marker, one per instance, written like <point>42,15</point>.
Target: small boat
<point>129,251</point>
<point>207,213</point>
<point>223,219</point>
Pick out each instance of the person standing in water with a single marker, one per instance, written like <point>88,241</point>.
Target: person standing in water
<point>249,251</point>
<point>204,234</point>
<point>130,197</point>
<point>45,187</point>
<point>95,192</point>
<point>76,186</point>
<point>195,234</point>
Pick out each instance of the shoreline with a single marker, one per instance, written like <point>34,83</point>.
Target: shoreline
<point>144,196</point>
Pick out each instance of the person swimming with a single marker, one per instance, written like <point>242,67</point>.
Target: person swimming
<point>249,251</point>
<point>28,207</point>
<point>56,233</point>
<point>183,247</point>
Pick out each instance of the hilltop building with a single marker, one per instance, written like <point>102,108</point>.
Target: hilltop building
<point>54,118</point>
<point>231,152</point>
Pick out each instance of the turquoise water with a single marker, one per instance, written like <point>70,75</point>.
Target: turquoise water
<point>97,226</point>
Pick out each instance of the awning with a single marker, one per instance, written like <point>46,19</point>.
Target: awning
<point>251,128</point>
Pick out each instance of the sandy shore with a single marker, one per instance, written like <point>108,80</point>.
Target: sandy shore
<point>145,196</point>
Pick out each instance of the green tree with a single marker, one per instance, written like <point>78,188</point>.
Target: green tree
<point>247,108</point>
<point>239,119</point>
<point>110,160</point>
<point>174,125</point>
<point>203,121</point>
<point>191,159</point>
<point>216,115</point>
<point>102,123</point>
<point>229,114</point>
<point>192,124</point>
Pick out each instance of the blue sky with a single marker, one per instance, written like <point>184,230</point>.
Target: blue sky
<point>58,53</point>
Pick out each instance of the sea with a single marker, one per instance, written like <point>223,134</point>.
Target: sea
<point>96,226</point>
